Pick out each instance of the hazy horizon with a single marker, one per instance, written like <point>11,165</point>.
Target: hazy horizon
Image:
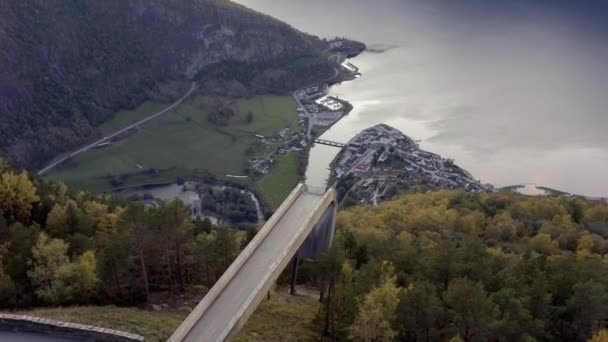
<point>514,90</point>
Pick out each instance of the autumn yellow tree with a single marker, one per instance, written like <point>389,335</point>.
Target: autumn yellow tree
<point>57,280</point>
<point>503,228</point>
<point>59,193</point>
<point>4,166</point>
<point>49,256</point>
<point>17,196</point>
<point>56,220</point>
<point>376,312</point>
<point>600,336</point>
<point>585,243</point>
<point>105,220</point>
<point>543,244</point>
<point>77,281</point>
<point>598,213</point>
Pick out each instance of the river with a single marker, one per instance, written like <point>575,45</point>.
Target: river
<point>514,90</point>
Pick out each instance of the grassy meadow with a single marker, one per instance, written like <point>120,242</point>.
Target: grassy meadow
<point>280,181</point>
<point>154,326</point>
<point>182,143</point>
<point>125,118</point>
<point>282,318</point>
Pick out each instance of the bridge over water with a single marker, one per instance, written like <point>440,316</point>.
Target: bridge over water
<point>235,296</point>
<point>330,143</point>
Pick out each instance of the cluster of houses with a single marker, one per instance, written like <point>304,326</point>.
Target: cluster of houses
<point>294,143</point>
<point>315,100</point>
<point>382,154</point>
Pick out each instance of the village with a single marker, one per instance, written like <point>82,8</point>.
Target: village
<point>316,110</point>
<point>286,143</point>
<point>381,159</point>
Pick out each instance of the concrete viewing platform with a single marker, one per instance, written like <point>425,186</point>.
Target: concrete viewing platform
<point>228,305</point>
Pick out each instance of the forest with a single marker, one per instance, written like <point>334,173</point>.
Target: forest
<point>61,248</point>
<point>435,266</point>
<point>454,266</point>
<point>68,66</point>
<point>230,203</point>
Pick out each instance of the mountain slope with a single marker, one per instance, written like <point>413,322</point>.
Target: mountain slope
<point>67,65</point>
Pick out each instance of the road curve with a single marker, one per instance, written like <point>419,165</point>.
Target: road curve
<point>60,160</point>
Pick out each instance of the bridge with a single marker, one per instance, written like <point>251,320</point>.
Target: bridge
<point>329,143</point>
<point>235,296</point>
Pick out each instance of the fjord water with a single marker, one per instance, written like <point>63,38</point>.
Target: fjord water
<point>516,91</point>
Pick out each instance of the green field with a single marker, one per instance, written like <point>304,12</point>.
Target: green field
<point>154,326</point>
<point>279,182</point>
<point>127,117</point>
<point>282,318</point>
<point>182,143</point>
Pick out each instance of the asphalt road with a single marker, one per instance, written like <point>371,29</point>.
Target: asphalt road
<point>63,158</point>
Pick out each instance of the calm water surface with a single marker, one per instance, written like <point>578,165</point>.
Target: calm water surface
<point>516,91</point>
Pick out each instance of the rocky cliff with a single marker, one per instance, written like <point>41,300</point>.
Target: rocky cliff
<point>67,65</point>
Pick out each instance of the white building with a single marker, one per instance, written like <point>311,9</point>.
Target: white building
<point>349,66</point>
<point>329,103</point>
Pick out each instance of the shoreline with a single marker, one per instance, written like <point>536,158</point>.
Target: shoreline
<point>320,130</point>
<point>349,107</point>
<point>339,77</point>
<point>548,191</point>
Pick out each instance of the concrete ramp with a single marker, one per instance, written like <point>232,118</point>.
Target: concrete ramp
<point>228,305</point>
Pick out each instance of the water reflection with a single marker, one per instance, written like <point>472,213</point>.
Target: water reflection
<point>530,190</point>
<point>515,91</point>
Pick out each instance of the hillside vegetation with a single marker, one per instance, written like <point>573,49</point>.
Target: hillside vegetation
<point>433,266</point>
<point>153,326</point>
<point>281,318</point>
<point>58,248</point>
<point>450,265</point>
<point>67,66</point>
<point>181,143</point>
